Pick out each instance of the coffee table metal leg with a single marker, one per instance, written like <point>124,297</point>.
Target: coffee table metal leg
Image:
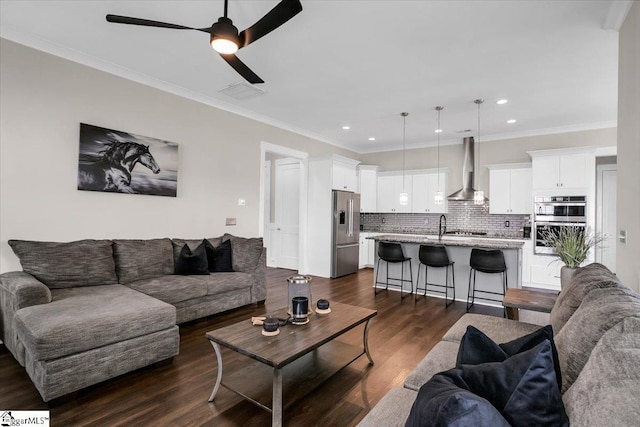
<point>216,347</point>
<point>276,406</point>
<point>365,339</point>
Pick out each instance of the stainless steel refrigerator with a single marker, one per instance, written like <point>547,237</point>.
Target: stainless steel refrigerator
<point>346,230</point>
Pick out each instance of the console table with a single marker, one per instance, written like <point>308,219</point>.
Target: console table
<point>533,299</point>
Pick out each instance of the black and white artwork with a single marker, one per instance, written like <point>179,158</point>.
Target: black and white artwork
<point>121,162</point>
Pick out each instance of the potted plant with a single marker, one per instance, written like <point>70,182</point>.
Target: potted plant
<point>572,245</point>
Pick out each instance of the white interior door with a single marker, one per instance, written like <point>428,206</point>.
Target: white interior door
<point>606,213</point>
<point>287,213</point>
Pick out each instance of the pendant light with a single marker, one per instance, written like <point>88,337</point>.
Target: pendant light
<point>404,196</point>
<point>478,195</point>
<point>438,197</point>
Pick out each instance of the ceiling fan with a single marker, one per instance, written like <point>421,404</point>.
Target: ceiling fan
<point>224,36</point>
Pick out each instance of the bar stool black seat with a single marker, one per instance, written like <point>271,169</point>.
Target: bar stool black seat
<point>436,257</point>
<point>392,253</point>
<point>490,262</point>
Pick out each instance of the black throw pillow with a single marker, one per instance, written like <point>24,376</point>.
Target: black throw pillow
<point>219,258</point>
<point>476,348</point>
<point>445,401</point>
<point>523,389</point>
<point>194,263</point>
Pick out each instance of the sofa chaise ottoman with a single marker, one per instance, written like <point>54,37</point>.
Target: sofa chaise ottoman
<point>596,324</point>
<point>83,312</point>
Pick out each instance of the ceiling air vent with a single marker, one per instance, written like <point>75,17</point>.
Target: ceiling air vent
<point>242,91</point>
<point>463,131</point>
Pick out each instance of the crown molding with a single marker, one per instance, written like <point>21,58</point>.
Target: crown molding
<point>503,136</point>
<point>618,11</point>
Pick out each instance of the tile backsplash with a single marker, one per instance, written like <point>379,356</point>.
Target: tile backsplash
<point>461,216</point>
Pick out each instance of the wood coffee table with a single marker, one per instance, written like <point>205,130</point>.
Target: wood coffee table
<point>299,359</point>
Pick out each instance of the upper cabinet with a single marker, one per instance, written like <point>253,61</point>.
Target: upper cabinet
<point>389,189</point>
<point>344,175</point>
<point>423,191</point>
<point>368,187</point>
<point>421,187</point>
<point>510,189</point>
<point>565,169</point>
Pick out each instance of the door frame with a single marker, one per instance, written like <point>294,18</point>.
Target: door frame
<point>303,157</point>
<point>599,205</point>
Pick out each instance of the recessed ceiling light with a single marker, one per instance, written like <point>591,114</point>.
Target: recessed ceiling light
<point>512,121</point>
<point>501,101</point>
<point>372,139</point>
<point>438,131</point>
<point>346,127</point>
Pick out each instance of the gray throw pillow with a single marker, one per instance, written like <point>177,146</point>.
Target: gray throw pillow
<point>67,265</point>
<point>245,252</point>
<point>142,259</point>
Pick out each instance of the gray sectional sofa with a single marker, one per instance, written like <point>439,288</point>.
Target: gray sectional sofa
<point>596,323</point>
<point>83,312</point>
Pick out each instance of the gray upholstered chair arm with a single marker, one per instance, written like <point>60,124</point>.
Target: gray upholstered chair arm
<point>260,275</point>
<point>24,289</point>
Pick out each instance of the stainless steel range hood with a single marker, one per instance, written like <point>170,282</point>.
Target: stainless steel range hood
<point>467,190</point>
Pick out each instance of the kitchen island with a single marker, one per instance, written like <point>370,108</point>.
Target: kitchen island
<point>459,250</point>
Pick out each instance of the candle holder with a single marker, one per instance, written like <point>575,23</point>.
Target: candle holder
<point>299,286</point>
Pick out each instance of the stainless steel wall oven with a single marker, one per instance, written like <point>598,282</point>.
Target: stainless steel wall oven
<point>554,212</point>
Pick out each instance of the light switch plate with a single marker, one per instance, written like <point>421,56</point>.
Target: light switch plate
<point>242,202</point>
<point>230,221</point>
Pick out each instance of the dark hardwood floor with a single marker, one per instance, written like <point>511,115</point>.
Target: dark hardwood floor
<point>176,394</point>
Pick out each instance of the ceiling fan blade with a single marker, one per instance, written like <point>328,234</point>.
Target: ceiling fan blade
<point>148,23</point>
<point>277,16</point>
<point>242,69</point>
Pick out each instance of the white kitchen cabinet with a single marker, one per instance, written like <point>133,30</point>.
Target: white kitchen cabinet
<point>389,189</point>
<point>368,188</point>
<point>344,176</point>
<point>527,254</point>
<point>510,189</point>
<point>367,250</point>
<point>560,171</point>
<point>363,250</point>
<point>424,187</point>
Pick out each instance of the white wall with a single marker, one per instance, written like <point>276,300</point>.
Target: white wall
<point>628,211</point>
<point>43,99</point>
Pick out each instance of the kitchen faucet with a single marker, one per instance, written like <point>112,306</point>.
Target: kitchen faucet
<point>442,230</point>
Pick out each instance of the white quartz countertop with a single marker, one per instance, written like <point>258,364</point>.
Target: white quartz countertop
<point>476,242</point>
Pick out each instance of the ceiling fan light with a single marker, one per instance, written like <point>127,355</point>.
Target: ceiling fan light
<point>224,37</point>
<point>224,46</point>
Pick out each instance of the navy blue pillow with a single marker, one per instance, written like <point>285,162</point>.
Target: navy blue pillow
<point>523,389</point>
<point>194,263</point>
<point>476,348</point>
<point>445,400</point>
<point>219,258</point>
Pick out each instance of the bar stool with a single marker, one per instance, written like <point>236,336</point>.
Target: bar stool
<point>436,257</point>
<point>490,262</point>
<point>392,254</point>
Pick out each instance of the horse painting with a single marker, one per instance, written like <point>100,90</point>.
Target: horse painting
<point>111,171</point>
